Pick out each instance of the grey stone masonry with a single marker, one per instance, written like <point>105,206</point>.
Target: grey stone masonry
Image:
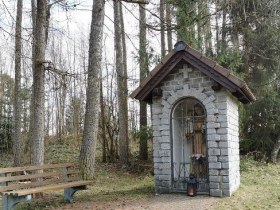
<point>222,130</point>
<point>223,146</point>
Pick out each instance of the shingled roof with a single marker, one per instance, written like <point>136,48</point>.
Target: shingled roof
<point>183,53</point>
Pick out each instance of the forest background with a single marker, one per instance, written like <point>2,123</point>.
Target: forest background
<point>51,52</point>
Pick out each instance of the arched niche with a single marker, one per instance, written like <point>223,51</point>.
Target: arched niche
<point>189,148</point>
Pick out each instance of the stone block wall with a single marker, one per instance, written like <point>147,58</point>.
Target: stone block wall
<point>222,130</point>
<point>224,157</point>
<point>161,148</point>
<point>234,158</point>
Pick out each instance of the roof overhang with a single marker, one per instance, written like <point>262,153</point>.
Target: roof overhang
<point>183,54</point>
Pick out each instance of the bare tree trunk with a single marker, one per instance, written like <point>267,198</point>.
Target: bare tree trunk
<point>60,97</point>
<point>208,32</point>
<point>275,151</point>
<point>49,116</point>
<point>143,147</point>
<point>17,142</point>
<point>39,85</point>
<point>48,15</point>
<point>124,53</point>
<point>217,28</point>
<point>62,103</point>
<point>25,104</point>
<point>234,30</point>
<point>31,123</point>
<point>234,35</point>
<point>199,25</point>
<point>224,33</point>
<point>122,89</point>
<point>162,27</point>
<point>33,17</point>
<point>124,82</point>
<point>57,115</point>
<point>102,118</point>
<point>168,23</point>
<point>87,154</point>
<point>247,51</point>
<point>111,122</point>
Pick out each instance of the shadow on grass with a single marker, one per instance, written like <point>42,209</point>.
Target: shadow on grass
<point>118,194</point>
<point>52,201</point>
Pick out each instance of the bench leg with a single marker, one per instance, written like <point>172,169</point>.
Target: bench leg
<point>9,201</point>
<point>69,192</point>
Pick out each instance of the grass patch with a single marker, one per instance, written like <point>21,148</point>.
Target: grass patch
<point>113,183</point>
<point>260,188</point>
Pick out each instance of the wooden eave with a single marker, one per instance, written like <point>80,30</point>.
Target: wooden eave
<point>183,53</point>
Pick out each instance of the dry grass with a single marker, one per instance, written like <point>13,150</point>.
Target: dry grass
<point>260,188</point>
<point>110,184</point>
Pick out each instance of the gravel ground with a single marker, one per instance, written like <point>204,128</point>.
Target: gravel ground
<point>159,202</point>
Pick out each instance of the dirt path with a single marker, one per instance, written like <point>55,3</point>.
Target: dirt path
<point>159,202</point>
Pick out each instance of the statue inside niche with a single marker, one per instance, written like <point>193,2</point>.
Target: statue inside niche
<point>198,163</point>
<point>199,126</point>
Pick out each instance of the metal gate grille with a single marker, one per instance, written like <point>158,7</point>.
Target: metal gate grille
<point>189,146</point>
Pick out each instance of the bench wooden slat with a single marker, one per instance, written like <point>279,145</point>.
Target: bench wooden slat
<point>34,176</point>
<point>15,182</point>
<point>46,188</point>
<point>19,186</point>
<point>36,167</point>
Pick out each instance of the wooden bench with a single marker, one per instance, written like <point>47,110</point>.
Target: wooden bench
<point>20,183</point>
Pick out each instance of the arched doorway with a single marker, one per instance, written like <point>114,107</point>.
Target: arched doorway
<point>189,149</point>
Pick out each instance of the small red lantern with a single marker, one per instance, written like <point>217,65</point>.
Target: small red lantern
<point>192,186</point>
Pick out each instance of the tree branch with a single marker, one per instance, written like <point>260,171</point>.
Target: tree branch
<point>137,1</point>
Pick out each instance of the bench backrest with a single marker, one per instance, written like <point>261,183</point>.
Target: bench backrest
<point>25,177</point>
